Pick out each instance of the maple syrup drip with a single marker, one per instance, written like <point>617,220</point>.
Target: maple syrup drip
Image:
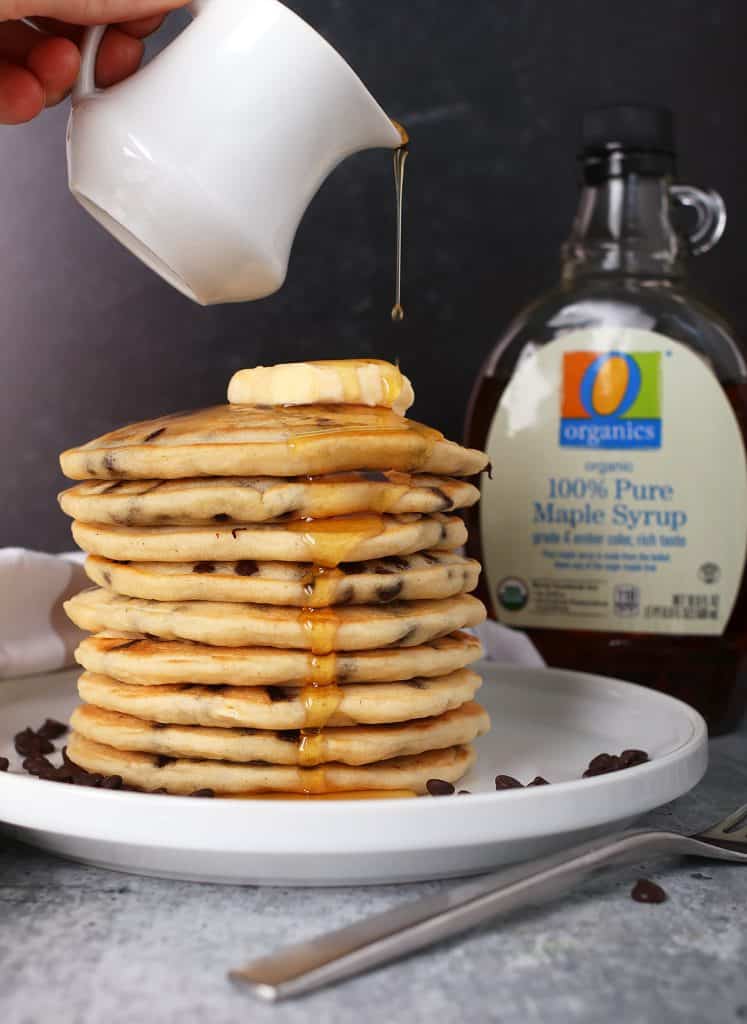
<point>320,586</point>
<point>322,669</point>
<point>335,540</point>
<point>320,704</point>
<point>314,781</point>
<point>400,158</point>
<point>320,625</point>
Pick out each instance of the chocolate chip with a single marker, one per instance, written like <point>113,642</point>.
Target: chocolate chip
<point>446,502</point>
<point>221,517</point>
<point>389,591</point>
<point>37,766</point>
<point>289,735</point>
<point>203,792</point>
<point>538,781</point>
<point>4,764</point>
<point>28,744</point>
<point>154,434</point>
<point>631,758</point>
<point>237,530</point>
<point>112,782</point>
<point>417,684</point>
<point>602,764</point>
<point>203,567</point>
<point>246,567</point>
<point>52,729</point>
<point>645,891</point>
<point>507,782</point>
<point>374,476</point>
<point>438,787</point>
<point>162,760</point>
<point>277,693</point>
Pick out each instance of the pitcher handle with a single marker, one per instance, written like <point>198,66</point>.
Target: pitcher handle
<point>85,85</point>
<point>710,215</point>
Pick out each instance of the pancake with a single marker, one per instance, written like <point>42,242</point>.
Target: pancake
<point>204,501</point>
<point>140,661</point>
<point>280,707</point>
<point>185,776</point>
<point>347,628</point>
<point>242,440</point>
<point>324,542</point>
<point>351,745</point>
<point>430,575</point>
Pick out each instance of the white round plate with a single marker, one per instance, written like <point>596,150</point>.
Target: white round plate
<point>545,722</point>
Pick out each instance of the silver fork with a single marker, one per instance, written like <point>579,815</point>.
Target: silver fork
<point>306,966</point>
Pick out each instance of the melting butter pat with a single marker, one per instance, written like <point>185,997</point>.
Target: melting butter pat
<point>371,382</point>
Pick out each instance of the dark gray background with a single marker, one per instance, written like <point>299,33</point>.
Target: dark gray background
<point>491,91</point>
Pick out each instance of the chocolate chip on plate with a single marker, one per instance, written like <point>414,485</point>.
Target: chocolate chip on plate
<point>645,891</point>
<point>52,729</point>
<point>4,764</point>
<point>630,758</point>
<point>439,787</point>
<point>507,782</point>
<point>28,744</point>
<point>538,781</point>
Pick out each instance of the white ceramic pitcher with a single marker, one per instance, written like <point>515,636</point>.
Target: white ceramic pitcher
<point>204,161</point>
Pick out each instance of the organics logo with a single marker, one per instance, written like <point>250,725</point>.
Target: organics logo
<point>611,400</point>
<point>513,593</point>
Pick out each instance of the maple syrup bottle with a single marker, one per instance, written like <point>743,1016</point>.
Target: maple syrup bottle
<point>614,411</point>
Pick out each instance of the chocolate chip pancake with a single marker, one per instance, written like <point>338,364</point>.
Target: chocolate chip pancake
<point>242,440</point>
<point>235,500</point>
<point>347,628</point>
<point>325,542</point>
<point>350,745</point>
<point>142,661</point>
<point>430,575</point>
<point>281,706</point>
<point>186,776</point>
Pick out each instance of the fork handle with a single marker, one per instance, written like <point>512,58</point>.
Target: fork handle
<point>305,966</point>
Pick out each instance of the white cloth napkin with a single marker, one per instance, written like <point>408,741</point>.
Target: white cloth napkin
<point>508,646</point>
<point>37,636</point>
<point>35,633</point>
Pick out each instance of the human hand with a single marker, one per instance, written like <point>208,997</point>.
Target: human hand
<point>38,68</point>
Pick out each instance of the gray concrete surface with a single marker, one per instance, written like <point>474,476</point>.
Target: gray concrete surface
<point>84,946</point>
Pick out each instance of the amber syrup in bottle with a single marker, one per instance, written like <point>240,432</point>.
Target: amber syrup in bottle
<point>614,411</point>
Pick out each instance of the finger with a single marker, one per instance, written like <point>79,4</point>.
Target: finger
<point>142,27</point>
<point>21,94</point>
<point>88,12</point>
<point>56,63</point>
<point>139,28</point>
<point>119,55</point>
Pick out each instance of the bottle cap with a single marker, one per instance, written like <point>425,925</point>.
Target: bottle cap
<point>631,127</point>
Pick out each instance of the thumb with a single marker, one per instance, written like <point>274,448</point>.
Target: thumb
<point>87,12</point>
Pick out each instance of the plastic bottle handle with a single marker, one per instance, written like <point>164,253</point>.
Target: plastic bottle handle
<point>85,85</point>
<point>710,214</point>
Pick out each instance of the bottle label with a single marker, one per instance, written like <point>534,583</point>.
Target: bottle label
<point>618,500</point>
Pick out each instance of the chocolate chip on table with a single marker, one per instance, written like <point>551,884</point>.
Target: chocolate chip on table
<point>439,787</point>
<point>38,766</point>
<point>52,729</point>
<point>538,781</point>
<point>507,782</point>
<point>4,764</point>
<point>645,891</point>
<point>203,792</point>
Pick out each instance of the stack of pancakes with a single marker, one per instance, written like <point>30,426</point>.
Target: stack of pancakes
<point>279,603</point>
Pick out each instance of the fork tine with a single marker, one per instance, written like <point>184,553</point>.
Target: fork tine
<point>724,827</point>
